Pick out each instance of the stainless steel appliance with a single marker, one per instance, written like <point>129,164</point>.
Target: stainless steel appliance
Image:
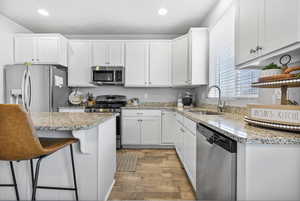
<point>108,75</point>
<point>110,103</point>
<point>39,88</point>
<point>216,165</point>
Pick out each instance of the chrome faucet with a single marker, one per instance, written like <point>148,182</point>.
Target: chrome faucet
<point>221,104</point>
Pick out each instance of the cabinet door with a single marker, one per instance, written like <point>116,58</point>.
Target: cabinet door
<point>160,64</point>
<point>136,65</point>
<point>131,131</point>
<point>24,49</point>
<point>190,155</point>
<point>116,53</point>
<point>79,64</point>
<point>99,53</point>
<point>180,61</point>
<point>279,24</point>
<point>151,131</point>
<point>247,30</point>
<point>47,50</point>
<point>168,127</point>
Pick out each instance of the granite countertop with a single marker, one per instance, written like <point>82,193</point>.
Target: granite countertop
<point>65,121</point>
<point>233,126</point>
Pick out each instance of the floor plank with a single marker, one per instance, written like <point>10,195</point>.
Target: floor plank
<point>159,176</point>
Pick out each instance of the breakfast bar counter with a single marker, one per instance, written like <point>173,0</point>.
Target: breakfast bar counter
<point>94,156</point>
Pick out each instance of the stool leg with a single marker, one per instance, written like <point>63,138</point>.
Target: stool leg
<point>74,172</point>
<point>36,176</point>
<point>14,179</point>
<point>32,172</point>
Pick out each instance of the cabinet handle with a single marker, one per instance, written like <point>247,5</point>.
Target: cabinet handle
<point>252,51</point>
<point>182,130</point>
<point>32,59</point>
<point>258,48</point>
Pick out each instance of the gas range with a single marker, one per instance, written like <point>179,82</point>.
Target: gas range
<point>110,104</point>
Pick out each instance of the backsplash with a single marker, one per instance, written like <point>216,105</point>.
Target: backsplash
<point>144,94</point>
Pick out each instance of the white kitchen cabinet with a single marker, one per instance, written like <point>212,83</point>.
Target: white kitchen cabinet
<point>24,49</point>
<point>190,58</point>
<point>107,53</point>
<point>99,53</point>
<point>160,63</point>
<point>79,63</point>
<point>264,27</point>
<point>131,131</point>
<point>189,152</point>
<point>71,109</point>
<point>136,63</point>
<point>279,24</point>
<point>185,144</point>
<point>247,29</point>
<point>180,60</point>
<point>168,129</point>
<point>198,57</point>
<point>40,49</point>
<point>151,130</point>
<point>141,127</point>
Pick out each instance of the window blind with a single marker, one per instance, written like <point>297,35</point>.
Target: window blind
<point>233,83</point>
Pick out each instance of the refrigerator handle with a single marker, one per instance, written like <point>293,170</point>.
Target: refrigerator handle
<point>23,89</point>
<point>28,95</point>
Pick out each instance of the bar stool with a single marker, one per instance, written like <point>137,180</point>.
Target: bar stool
<point>18,141</point>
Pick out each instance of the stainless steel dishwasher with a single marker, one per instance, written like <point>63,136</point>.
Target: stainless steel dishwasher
<point>216,165</point>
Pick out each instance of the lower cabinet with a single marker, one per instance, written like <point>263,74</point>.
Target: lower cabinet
<point>140,129</point>
<point>189,155</point>
<point>150,130</point>
<point>168,129</point>
<point>131,131</point>
<point>185,144</point>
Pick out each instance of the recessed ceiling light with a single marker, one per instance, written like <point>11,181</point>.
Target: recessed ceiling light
<point>162,11</point>
<point>43,12</point>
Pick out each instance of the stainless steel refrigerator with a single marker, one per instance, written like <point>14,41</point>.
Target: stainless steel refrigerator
<point>40,88</point>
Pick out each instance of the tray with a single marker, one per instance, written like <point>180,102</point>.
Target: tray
<point>272,125</point>
<point>288,82</point>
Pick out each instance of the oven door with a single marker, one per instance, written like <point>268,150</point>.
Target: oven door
<point>103,76</point>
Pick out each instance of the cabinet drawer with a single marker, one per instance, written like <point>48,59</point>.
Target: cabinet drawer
<point>71,109</point>
<point>190,125</point>
<point>179,118</point>
<point>134,113</point>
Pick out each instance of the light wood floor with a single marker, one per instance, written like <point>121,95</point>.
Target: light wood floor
<point>159,176</point>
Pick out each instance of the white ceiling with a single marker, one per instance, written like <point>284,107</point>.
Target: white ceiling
<point>107,16</point>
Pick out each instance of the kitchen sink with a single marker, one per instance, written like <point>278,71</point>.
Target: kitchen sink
<point>205,112</point>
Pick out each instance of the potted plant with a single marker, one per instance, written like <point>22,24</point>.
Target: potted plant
<point>270,70</point>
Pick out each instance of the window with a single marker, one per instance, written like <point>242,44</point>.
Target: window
<point>233,83</point>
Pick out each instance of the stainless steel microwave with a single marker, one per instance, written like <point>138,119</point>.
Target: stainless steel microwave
<point>108,75</point>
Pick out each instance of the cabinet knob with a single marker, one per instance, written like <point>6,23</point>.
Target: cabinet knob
<point>252,51</point>
<point>32,59</point>
<point>258,48</point>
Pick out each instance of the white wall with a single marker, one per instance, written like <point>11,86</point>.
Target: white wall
<point>7,30</point>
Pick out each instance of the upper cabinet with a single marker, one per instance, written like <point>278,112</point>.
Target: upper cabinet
<point>190,58</point>
<point>160,63</point>
<point>148,63</point>
<point>107,53</point>
<point>265,26</point>
<point>79,63</point>
<point>137,62</point>
<point>180,60</point>
<point>40,49</point>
